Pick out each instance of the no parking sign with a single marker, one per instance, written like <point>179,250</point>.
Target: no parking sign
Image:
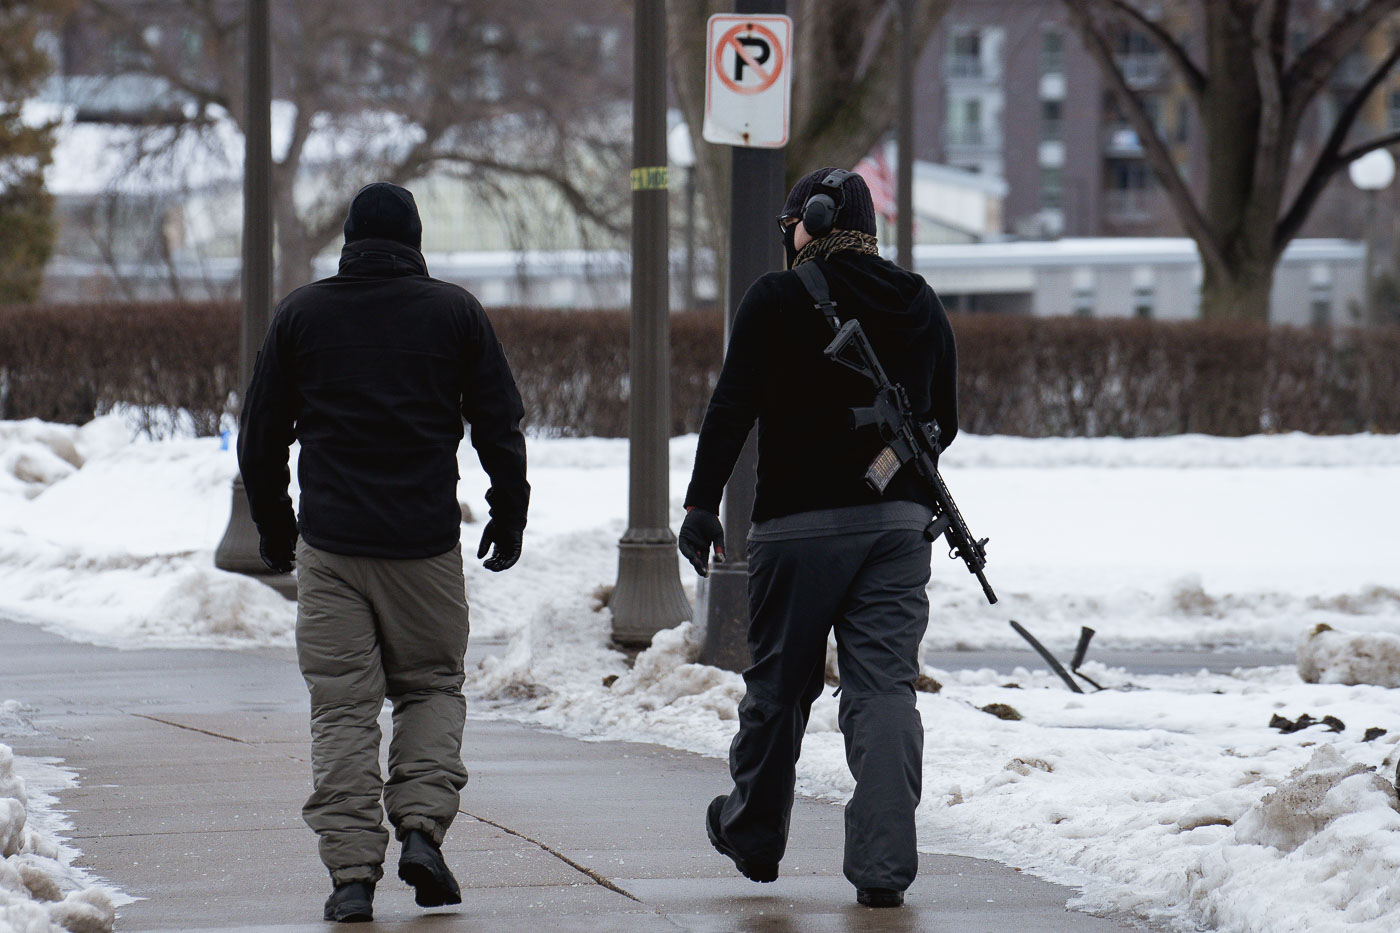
<point>748,80</point>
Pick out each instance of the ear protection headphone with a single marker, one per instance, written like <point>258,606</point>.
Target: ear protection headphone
<point>819,213</point>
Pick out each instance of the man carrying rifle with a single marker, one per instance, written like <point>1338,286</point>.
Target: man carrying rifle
<point>826,550</point>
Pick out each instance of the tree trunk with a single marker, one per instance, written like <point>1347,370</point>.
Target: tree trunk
<point>1239,292</point>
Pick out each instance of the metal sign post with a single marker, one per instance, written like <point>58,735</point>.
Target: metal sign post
<point>756,124</point>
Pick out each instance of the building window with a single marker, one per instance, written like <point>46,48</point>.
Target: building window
<point>1393,110</point>
<point>1082,293</point>
<point>1129,188</point>
<point>1321,312</point>
<point>1051,188</point>
<point>1052,120</point>
<point>1144,291</point>
<point>965,124</point>
<point>1052,53</point>
<point>1138,58</point>
<point>965,54</point>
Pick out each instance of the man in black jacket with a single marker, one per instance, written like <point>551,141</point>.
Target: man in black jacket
<point>373,370</point>
<point>826,550</point>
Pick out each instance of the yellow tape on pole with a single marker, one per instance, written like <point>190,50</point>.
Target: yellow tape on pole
<point>650,178</point>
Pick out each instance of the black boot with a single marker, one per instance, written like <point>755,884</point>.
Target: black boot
<point>754,871</point>
<point>422,866</point>
<point>351,902</point>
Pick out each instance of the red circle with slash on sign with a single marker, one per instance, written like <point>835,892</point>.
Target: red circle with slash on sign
<point>745,59</point>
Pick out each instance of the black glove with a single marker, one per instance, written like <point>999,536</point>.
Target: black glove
<point>700,530</point>
<point>278,554</point>
<point>507,542</point>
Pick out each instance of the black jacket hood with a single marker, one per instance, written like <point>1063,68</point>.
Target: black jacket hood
<point>898,298</point>
<point>386,212</point>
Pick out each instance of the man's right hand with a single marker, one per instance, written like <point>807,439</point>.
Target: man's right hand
<point>699,531</point>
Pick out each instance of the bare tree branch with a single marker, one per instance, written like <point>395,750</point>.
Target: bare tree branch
<point>1190,72</point>
<point>1157,154</point>
<point>1270,163</point>
<point>1331,159</point>
<point>1308,73</point>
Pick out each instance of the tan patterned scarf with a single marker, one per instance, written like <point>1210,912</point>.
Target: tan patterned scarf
<point>834,242</point>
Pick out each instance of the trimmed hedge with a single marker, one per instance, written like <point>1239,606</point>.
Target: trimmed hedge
<point>1018,375</point>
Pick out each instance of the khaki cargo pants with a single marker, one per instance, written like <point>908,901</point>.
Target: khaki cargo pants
<point>367,628</point>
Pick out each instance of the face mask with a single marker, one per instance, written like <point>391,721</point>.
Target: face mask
<point>789,246</point>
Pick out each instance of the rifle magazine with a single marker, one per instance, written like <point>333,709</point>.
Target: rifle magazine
<point>882,469</point>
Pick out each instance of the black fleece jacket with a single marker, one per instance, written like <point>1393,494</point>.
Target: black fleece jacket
<point>373,370</point>
<point>774,371</point>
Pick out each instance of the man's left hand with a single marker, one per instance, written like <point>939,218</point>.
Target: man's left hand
<point>278,555</point>
<point>507,542</point>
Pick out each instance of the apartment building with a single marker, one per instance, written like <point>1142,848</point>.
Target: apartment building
<point>1005,88</point>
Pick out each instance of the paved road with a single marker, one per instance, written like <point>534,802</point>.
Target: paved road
<point>193,766</point>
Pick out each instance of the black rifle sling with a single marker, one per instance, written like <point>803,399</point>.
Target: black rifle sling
<point>815,283</point>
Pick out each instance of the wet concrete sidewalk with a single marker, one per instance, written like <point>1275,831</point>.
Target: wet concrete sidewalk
<point>194,764</point>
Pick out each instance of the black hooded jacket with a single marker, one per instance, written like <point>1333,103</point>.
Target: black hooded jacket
<point>774,371</point>
<point>373,370</point>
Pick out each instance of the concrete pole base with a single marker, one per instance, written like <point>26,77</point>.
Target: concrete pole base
<point>648,596</point>
<point>722,600</point>
<point>238,550</point>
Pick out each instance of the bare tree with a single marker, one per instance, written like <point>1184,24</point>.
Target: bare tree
<point>845,58</point>
<point>1252,91</point>
<point>478,89</point>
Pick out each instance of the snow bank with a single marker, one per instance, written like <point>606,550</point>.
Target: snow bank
<point>111,540</point>
<point>1328,656</point>
<point>40,892</point>
<point>1184,541</point>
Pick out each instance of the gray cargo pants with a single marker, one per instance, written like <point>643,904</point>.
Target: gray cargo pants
<point>368,628</point>
<point>870,587</point>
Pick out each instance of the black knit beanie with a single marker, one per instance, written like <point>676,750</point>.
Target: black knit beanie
<point>857,210</point>
<point>385,212</point>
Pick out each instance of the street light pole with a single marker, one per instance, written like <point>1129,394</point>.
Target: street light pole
<point>756,194</point>
<point>238,551</point>
<point>648,596</point>
<point>904,183</point>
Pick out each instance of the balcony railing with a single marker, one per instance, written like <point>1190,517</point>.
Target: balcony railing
<point>970,68</point>
<point>1142,70</point>
<point>974,137</point>
<point>1121,141</point>
<point>1131,205</point>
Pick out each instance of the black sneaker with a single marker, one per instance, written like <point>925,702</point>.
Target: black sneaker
<point>422,866</point>
<point>879,897</point>
<point>762,872</point>
<point>351,902</point>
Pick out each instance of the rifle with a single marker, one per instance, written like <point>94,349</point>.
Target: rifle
<point>907,440</point>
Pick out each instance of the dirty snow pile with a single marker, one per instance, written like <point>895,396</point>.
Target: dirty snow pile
<point>40,891</point>
<point>1169,798</point>
<point>1328,656</point>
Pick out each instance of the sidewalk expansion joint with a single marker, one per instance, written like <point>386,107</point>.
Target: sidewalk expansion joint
<point>217,735</point>
<point>597,877</point>
<point>180,725</point>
